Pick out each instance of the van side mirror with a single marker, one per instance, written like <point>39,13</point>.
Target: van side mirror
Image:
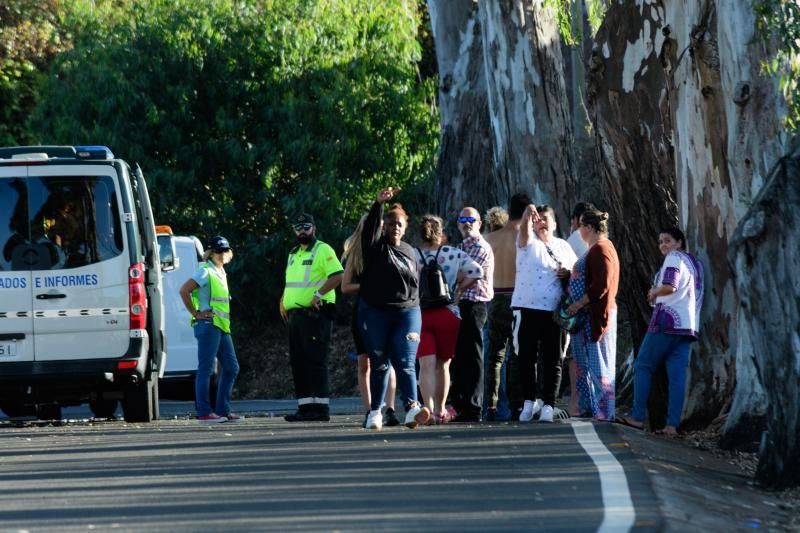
<point>167,253</point>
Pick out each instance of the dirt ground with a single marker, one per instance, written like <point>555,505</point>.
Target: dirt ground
<point>711,488</point>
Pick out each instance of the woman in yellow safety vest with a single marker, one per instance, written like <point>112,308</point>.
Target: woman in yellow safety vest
<point>207,299</point>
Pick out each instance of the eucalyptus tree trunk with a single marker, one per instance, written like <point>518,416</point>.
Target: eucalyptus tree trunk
<point>705,131</point>
<point>530,121</point>
<point>765,259</point>
<point>464,171</point>
<point>727,136</point>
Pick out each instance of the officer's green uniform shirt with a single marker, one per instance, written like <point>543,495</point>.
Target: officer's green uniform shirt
<point>307,271</point>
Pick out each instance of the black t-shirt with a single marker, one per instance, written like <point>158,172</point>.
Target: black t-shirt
<point>390,278</point>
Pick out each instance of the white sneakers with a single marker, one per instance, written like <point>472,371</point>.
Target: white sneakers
<point>530,409</point>
<point>374,420</point>
<point>417,416</point>
<point>547,414</point>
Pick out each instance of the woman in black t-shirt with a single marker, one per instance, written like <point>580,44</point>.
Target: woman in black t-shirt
<point>389,314</point>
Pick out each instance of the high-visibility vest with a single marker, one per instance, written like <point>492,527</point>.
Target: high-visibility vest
<point>220,298</point>
<point>300,288</point>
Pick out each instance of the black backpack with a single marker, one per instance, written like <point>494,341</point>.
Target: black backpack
<point>433,288</point>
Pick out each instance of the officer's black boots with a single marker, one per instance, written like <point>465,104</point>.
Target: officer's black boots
<point>312,412</point>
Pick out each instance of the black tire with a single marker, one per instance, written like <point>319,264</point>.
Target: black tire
<point>103,408</point>
<point>155,395</point>
<point>48,411</point>
<point>137,402</point>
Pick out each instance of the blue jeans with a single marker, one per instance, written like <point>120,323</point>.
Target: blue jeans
<point>673,351</point>
<point>213,343</point>
<point>391,337</point>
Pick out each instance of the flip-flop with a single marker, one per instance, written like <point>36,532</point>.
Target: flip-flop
<point>625,421</point>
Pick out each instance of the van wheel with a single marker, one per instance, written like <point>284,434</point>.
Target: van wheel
<point>48,411</point>
<point>154,394</point>
<point>137,402</point>
<point>103,408</point>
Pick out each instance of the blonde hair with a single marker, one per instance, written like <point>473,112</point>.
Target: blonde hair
<point>352,248</point>
<point>496,217</point>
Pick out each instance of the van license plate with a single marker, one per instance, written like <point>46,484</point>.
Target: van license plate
<point>8,349</point>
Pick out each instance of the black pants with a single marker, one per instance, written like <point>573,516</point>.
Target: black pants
<point>467,366</point>
<point>539,344</point>
<point>500,338</point>
<point>309,345</point>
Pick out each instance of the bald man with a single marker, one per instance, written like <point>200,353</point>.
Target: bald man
<point>467,366</point>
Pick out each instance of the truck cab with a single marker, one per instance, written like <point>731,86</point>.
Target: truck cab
<point>81,311</point>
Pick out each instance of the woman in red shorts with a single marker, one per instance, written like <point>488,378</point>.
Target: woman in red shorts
<point>440,320</point>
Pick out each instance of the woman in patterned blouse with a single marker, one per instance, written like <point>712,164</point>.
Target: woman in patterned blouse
<point>676,297</point>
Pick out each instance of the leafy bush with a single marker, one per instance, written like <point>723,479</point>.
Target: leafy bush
<point>244,113</point>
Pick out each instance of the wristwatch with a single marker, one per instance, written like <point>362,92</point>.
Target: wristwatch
<point>318,295</point>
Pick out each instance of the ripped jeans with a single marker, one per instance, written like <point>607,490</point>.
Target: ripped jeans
<point>391,337</point>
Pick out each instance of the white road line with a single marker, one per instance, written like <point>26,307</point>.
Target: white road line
<point>618,511</point>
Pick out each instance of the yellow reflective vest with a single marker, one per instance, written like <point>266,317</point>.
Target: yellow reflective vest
<point>220,298</point>
<point>306,272</point>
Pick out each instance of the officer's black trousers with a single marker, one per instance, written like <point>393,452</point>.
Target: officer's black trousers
<point>309,345</point>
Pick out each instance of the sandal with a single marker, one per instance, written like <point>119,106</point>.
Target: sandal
<point>671,432</point>
<point>630,422</point>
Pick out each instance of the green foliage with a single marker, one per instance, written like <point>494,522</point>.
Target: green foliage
<point>29,39</point>
<point>243,113</point>
<point>781,19</point>
<point>567,11</point>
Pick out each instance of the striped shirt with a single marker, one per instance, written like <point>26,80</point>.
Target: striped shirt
<point>479,250</point>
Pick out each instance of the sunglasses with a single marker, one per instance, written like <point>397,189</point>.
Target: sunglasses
<point>464,220</point>
<point>302,227</point>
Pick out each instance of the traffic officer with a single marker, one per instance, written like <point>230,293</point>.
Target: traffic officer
<point>207,299</point>
<point>312,274</point>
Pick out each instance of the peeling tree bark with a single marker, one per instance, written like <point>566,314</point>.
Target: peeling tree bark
<point>726,145</point>
<point>530,121</point>
<point>633,130</point>
<point>705,130</point>
<point>765,259</point>
<point>464,172</point>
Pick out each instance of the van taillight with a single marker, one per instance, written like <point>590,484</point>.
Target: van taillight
<point>136,297</point>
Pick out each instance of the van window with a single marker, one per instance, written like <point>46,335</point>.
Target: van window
<point>14,229</point>
<point>66,222</point>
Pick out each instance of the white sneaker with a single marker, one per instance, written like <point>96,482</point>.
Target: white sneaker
<point>417,416</point>
<point>374,420</point>
<point>547,414</point>
<point>527,411</point>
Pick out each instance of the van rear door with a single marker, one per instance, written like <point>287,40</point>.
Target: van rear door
<point>16,316</point>
<point>81,290</point>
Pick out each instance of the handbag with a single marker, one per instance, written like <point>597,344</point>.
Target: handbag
<point>569,323</point>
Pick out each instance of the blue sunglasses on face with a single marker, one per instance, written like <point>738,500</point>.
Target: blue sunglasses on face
<point>302,227</point>
<point>464,220</point>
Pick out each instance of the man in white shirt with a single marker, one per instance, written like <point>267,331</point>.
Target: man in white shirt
<point>543,260</point>
<point>574,239</point>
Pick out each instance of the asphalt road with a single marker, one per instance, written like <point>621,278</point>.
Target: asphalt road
<point>267,474</point>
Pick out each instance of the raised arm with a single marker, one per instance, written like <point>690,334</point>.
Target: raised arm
<point>529,216</point>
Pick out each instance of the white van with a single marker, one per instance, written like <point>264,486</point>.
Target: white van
<point>80,284</point>
<point>178,379</point>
